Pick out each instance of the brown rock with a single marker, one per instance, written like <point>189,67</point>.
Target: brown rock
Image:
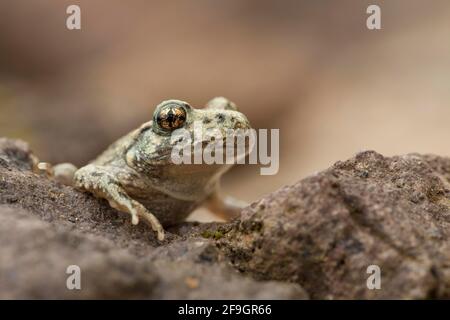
<point>45,227</point>
<point>324,231</point>
<point>320,234</point>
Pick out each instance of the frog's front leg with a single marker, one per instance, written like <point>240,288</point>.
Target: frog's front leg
<point>100,182</point>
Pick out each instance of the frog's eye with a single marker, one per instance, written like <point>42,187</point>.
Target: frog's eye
<point>171,117</point>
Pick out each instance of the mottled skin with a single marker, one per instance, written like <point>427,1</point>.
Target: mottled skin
<point>136,174</point>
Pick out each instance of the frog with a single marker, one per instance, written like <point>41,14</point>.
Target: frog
<point>137,176</point>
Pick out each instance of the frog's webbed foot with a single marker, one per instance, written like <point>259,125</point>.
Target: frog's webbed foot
<point>226,208</point>
<point>98,181</point>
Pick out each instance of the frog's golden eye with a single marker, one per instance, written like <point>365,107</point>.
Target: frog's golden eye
<point>171,117</point>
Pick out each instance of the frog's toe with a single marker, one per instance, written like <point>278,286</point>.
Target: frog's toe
<point>153,222</point>
<point>160,235</point>
<point>134,219</point>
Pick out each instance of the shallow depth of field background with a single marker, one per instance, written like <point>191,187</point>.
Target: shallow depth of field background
<point>310,68</point>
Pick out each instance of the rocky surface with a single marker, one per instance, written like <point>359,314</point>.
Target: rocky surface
<point>320,234</point>
<point>46,227</point>
<point>324,231</point>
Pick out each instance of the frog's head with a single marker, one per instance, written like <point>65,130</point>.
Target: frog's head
<point>219,114</point>
<point>176,124</point>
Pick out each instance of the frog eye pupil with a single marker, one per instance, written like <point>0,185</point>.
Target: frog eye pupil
<point>171,117</point>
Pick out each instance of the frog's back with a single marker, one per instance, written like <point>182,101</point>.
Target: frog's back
<point>115,153</point>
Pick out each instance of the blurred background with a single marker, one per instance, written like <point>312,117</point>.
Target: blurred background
<point>310,68</point>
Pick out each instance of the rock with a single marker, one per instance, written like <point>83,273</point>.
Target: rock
<point>324,231</point>
<point>196,270</point>
<point>15,154</point>
<point>35,256</point>
<point>315,238</point>
<point>46,227</point>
